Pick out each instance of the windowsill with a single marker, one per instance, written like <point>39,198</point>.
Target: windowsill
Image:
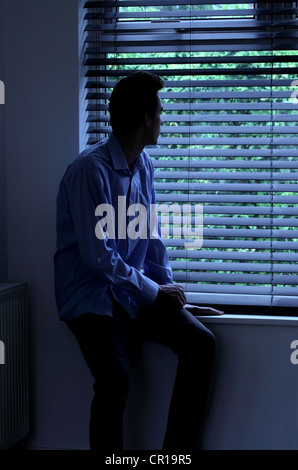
<point>250,320</point>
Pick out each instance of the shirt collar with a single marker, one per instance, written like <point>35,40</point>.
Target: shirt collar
<point>118,157</point>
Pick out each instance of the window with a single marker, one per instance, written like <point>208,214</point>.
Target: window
<point>229,140</point>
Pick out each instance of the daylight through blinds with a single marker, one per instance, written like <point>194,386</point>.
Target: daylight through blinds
<point>229,138</point>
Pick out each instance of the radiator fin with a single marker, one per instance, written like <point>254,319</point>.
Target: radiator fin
<point>14,400</point>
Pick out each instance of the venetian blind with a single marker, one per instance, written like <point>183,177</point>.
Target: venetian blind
<point>229,139</point>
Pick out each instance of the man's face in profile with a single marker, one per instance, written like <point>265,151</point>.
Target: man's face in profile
<point>156,123</point>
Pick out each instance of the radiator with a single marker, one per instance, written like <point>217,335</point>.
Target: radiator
<point>14,402</point>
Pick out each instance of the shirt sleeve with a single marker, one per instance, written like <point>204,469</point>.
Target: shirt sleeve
<point>86,190</point>
<point>156,263</point>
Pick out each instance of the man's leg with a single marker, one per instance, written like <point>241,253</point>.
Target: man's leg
<point>194,345</point>
<point>103,342</point>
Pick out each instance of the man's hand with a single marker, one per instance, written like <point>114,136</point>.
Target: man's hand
<point>171,295</point>
<point>195,310</point>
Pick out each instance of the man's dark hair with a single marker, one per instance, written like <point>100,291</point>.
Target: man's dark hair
<point>132,97</point>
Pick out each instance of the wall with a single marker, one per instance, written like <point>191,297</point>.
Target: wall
<point>255,401</point>
<point>42,138</point>
<point>255,386</point>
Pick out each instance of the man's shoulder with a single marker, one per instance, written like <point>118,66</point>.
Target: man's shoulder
<point>94,157</point>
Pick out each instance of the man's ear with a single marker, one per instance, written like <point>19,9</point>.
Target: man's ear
<point>147,120</point>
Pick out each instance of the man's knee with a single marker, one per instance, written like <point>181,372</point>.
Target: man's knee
<point>201,342</point>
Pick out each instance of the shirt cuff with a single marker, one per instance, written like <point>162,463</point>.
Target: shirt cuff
<point>150,292</point>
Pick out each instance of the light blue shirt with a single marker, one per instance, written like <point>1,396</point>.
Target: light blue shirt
<point>89,270</point>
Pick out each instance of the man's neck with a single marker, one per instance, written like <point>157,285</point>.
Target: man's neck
<point>132,147</point>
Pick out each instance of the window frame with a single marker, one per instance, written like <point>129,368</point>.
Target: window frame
<point>232,307</point>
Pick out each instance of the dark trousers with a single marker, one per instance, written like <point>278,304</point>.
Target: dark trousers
<point>105,343</point>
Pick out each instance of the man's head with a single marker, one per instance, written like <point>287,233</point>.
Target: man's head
<point>134,102</point>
